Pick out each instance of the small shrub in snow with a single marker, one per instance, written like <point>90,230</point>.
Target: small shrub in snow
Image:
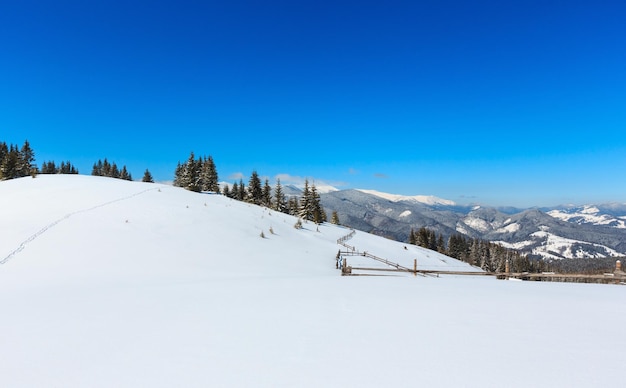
<point>298,224</point>
<point>262,234</point>
<point>271,230</point>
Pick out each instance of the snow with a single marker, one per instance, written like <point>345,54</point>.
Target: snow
<point>563,245</point>
<point>425,199</point>
<point>405,213</point>
<point>589,215</point>
<point>477,223</point>
<point>113,283</point>
<point>551,243</point>
<point>510,228</point>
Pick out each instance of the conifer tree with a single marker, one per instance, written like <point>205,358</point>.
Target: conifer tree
<point>293,206</point>
<point>147,177</point>
<point>210,178</point>
<point>4,152</point>
<point>178,175</point>
<point>235,192</point>
<point>266,195</point>
<point>226,191</point>
<point>280,203</point>
<point>441,247</point>
<point>255,192</point>
<point>48,168</point>
<point>318,215</point>
<point>241,193</point>
<point>26,161</point>
<point>115,171</point>
<point>335,218</point>
<point>190,178</point>
<point>10,165</point>
<point>306,211</point>
<point>124,174</point>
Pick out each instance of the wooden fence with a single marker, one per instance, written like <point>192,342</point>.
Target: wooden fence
<point>617,277</point>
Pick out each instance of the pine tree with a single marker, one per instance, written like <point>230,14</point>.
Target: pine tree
<point>115,171</point>
<point>98,168</point>
<point>226,191</point>
<point>318,213</point>
<point>212,179</point>
<point>267,194</point>
<point>48,168</point>
<point>10,165</point>
<point>124,174</point>
<point>190,179</point>
<point>235,192</point>
<point>441,247</point>
<point>147,177</point>
<point>4,152</point>
<point>293,206</point>
<point>280,203</point>
<point>255,192</point>
<point>306,211</point>
<point>26,161</point>
<point>241,192</point>
<point>335,218</point>
<point>178,175</point>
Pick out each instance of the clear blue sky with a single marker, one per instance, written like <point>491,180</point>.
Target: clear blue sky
<point>498,102</point>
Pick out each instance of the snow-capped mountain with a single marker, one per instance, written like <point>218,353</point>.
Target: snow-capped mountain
<point>551,233</point>
<point>425,199</point>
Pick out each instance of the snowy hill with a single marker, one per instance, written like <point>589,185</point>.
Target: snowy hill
<point>105,283</point>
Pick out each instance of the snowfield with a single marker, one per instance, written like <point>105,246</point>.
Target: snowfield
<point>109,283</point>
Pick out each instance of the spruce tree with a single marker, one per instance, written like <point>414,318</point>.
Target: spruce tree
<point>147,177</point>
<point>26,161</point>
<point>306,211</point>
<point>293,206</point>
<point>280,203</point>
<point>191,173</point>
<point>255,192</point>
<point>318,215</point>
<point>115,171</point>
<point>335,218</point>
<point>124,174</point>
<point>267,194</point>
<point>178,175</point>
<point>10,165</point>
<point>241,192</point>
<point>212,179</point>
<point>235,191</point>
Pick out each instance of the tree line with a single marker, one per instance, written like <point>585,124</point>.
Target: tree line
<point>18,162</point>
<point>488,256</point>
<point>200,174</point>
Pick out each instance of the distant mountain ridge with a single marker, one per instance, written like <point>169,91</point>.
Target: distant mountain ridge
<point>551,233</point>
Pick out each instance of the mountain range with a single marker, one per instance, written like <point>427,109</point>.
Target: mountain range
<point>566,231</point>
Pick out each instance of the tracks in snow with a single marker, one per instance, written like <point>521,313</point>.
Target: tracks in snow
<point>43,230</point>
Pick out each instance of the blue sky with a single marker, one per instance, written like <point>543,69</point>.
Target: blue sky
<point>500,103</point>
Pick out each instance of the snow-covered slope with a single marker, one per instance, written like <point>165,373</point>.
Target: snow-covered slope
<point>589,214</point>
<point>108,283</point>
<point>425,199</point>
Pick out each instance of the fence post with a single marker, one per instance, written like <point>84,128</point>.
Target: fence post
<point>618,266</point>
<point>414,267</point>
